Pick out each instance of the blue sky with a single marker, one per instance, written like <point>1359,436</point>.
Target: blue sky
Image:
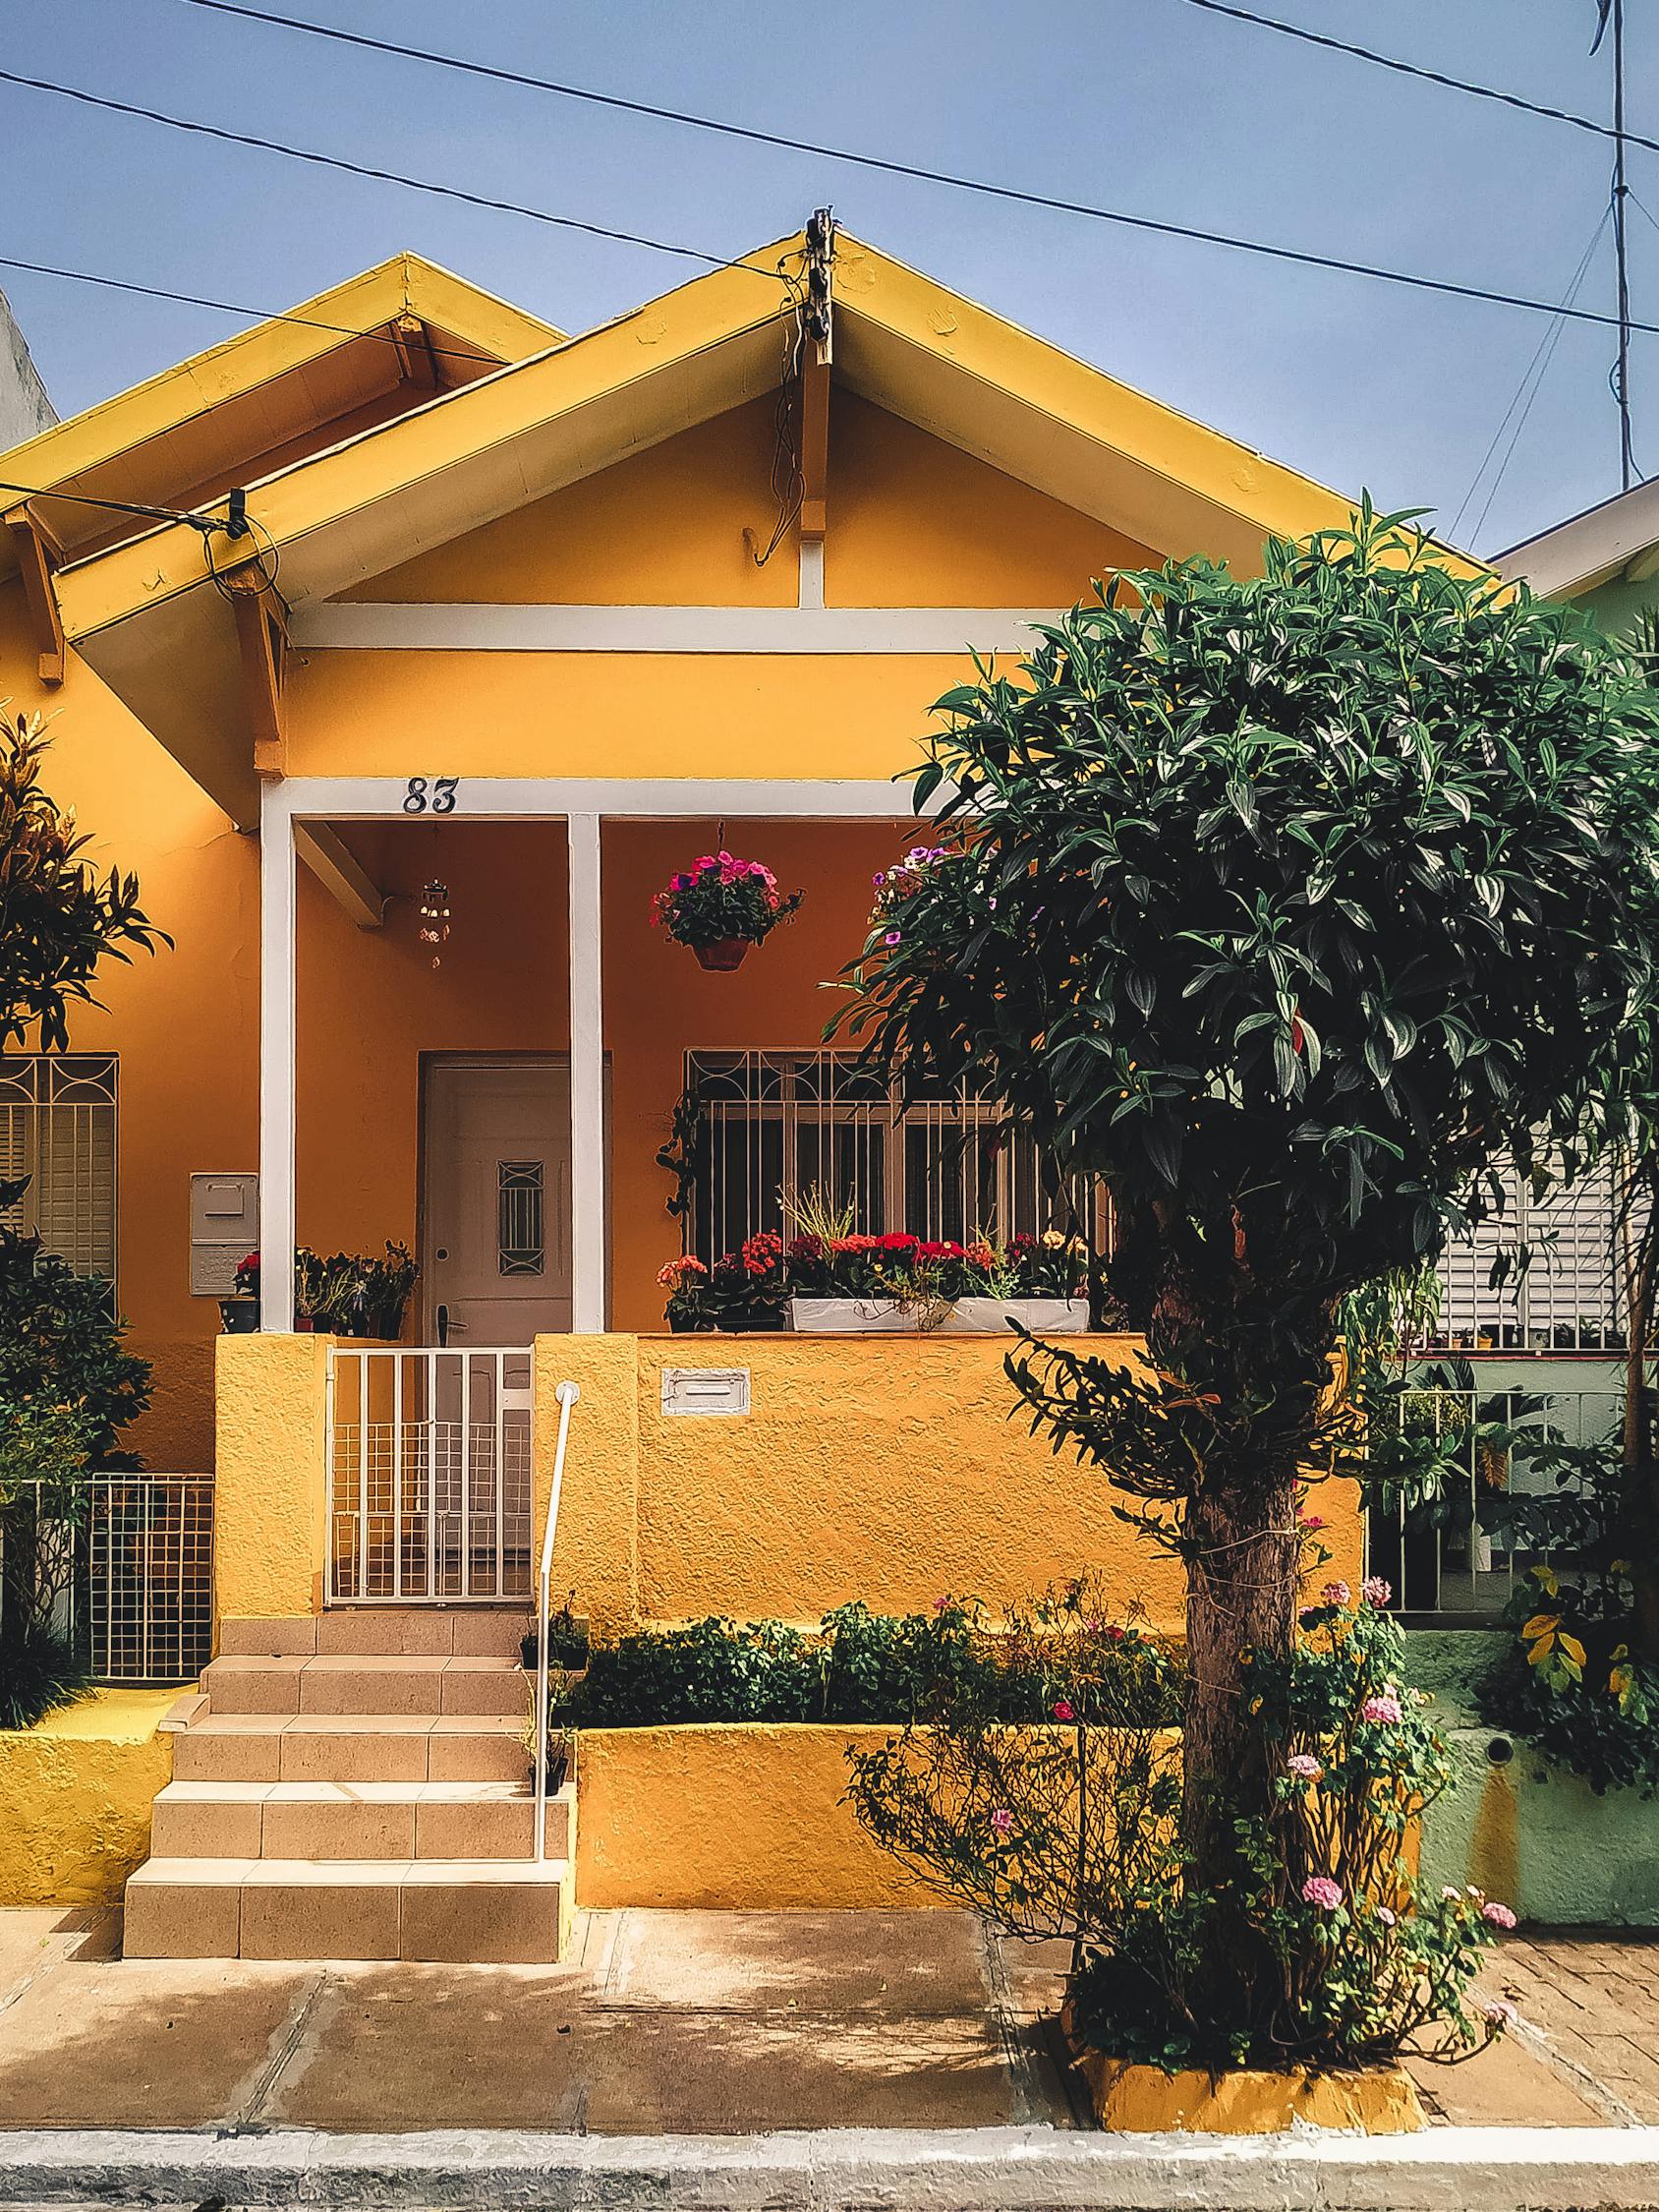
<point>1150,105</point>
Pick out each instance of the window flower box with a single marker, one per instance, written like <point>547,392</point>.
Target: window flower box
<point>964,1317</point>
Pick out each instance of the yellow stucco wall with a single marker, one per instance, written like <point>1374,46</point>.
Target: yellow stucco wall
<point>270,1511</point>
<point>729,1818</point>
<point>891,1469</point>
<point>76,1794</point>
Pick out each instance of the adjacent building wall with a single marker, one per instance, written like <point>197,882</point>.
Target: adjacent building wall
<point>23,405</point>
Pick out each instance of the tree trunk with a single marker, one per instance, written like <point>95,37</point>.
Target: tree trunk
<point>1244,1547</point>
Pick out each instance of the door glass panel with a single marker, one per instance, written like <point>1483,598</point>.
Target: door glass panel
<point>518,1233</point>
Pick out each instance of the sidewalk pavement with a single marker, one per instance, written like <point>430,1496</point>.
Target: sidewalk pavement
<point>694,2023</point>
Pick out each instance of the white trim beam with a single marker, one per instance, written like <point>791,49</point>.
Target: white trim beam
<point>587,1163</point>
<point>276,1063</point>
<point>414,627</point>
<point>545,798</point>
<point>337,868</point>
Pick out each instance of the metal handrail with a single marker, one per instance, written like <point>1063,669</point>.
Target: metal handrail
<point>567,1394</point>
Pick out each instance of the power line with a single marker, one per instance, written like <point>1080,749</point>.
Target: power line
<point>1526,399</point>
<point>364,169</point>
<point>503,76</point>
<point>205,523</point>
<point>1301,258</point>
<point>1386,61</point>
<point>230,307</point>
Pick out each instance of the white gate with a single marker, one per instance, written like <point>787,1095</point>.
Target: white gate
<point>430,1475</point>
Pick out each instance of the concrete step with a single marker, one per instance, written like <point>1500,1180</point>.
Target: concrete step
<point>359,1747</point>
<point>357,1820</point>
<point>486,1910</point>
<point>356,1683</point>
<point>381,1632</point>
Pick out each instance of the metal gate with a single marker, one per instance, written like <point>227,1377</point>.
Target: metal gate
<point>430,1475</point>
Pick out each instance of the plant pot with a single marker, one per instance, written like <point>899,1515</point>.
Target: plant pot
<point>304,1324</point>
<point>1146,2101</point>
<point>723,955</point>
<point>239,1316</point>
<point>968,1316</point>
<point>1042,1317</point>
<point>767,1322</point>
<point>680,1324</point>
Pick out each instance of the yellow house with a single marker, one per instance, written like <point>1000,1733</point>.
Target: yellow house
<point>405,647</point>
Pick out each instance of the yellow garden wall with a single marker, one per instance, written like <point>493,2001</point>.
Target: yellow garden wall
<point>271,1502</point>
<point>731,1818</point>
<point>75,1798</point>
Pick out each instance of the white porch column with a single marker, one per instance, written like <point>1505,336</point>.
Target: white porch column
<point>276,1061</point>
<point>588,1165</point>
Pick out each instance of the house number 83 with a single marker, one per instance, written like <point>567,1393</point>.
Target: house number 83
<point>430,795</point>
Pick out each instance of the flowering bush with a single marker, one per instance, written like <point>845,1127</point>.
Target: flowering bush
<point>897,1267</point>
<point>1073,1831</point>
<point>720,898</point>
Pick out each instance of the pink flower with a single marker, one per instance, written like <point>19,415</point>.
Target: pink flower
<point>1501,2016</point>
<point>1499,1915</point>
<point>1451,1895</point>
<point>1003,1820</point>
<point>891,936</point>
<point>1375,1590</point>
<point>939,1603</point>
<point>1384,1916</point>
<point>1311,1520</point>
<point>1304,1766</point>
<point>1319,1889</point>
<point>1335,1593</point>
<point>1386,1708</point>
<point>1064,1710</point>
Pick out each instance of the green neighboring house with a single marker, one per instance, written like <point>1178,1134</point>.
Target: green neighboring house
<point>1604,560</point>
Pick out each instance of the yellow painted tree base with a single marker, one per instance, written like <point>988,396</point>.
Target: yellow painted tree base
<point>1144,2100</point>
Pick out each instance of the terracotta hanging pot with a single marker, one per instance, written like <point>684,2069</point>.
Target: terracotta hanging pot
<point>723,955</point>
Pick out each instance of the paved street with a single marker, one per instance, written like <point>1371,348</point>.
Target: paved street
<point>688,2022</point>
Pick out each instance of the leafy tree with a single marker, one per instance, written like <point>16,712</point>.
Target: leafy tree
<point>67,1386</point>
<point>1288,906</point>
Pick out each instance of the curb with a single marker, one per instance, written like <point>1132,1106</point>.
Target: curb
<point>842,2170</point>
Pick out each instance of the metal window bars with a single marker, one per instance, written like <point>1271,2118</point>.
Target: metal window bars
<point>57,1130</point>
<point>772,1125</point>
<point>125,1576</point>
<point>430,1475</point>
<point>1461,1554</point>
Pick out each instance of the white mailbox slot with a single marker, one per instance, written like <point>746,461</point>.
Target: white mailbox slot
<point>706,1390</point>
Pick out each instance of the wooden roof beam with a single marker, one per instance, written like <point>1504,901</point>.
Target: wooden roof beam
<point>38,554</point>
<point>336,867</point>
<point>261,639</point>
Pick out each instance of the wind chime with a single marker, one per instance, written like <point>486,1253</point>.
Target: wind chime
<point>434,918</point>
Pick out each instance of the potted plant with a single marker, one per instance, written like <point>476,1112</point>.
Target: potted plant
<point>239,1315</point>
<point>690,1309</point>
<point>721,905</point>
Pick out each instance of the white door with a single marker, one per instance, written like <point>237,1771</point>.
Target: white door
<point>496,1222</point>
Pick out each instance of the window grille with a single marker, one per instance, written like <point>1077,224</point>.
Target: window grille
<point>128,1576</point>
<point>519,1237</point>
<point>1571,1295</point>
<point>773,1126</point>
<point>57,1129</point>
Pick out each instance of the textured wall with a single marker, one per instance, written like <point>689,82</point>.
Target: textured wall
<point>891,1468</point>
<point>76,1796</point>
<point>270,1505</point>
<point>729,1818</point>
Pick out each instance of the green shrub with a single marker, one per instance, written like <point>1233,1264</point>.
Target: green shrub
<point>40,1672</point>
<point>1570,1685</point>
<point>866,1667</point>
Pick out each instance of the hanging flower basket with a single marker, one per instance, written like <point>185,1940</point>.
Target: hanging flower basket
<point>720,906</point>
<point>725,953</point>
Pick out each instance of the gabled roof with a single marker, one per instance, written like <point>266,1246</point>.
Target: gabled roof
<point>1619,537</point>
<point>368,349</point>
<point>144,614</point>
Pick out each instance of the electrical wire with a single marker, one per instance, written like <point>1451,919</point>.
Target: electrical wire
<point>1380,61</point>
<point>504,76</point>
<point>476,360</point>
<point>1526,391</point>
<point>1301,256</point>
<point>202,522</point>
<point>365,169</point>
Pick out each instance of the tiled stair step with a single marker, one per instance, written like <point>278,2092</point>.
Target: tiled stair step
<point>347,1682</point>
<point>366,1820</point>
<point>406,1632</point>
<point>485,1910</point>
<point>359,1747</point>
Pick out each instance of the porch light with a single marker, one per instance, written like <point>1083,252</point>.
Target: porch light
<point>434,918</point>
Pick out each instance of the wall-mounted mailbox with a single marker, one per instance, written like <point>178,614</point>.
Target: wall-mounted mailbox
<point>224,1225</point>
<point>704,1390</point>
